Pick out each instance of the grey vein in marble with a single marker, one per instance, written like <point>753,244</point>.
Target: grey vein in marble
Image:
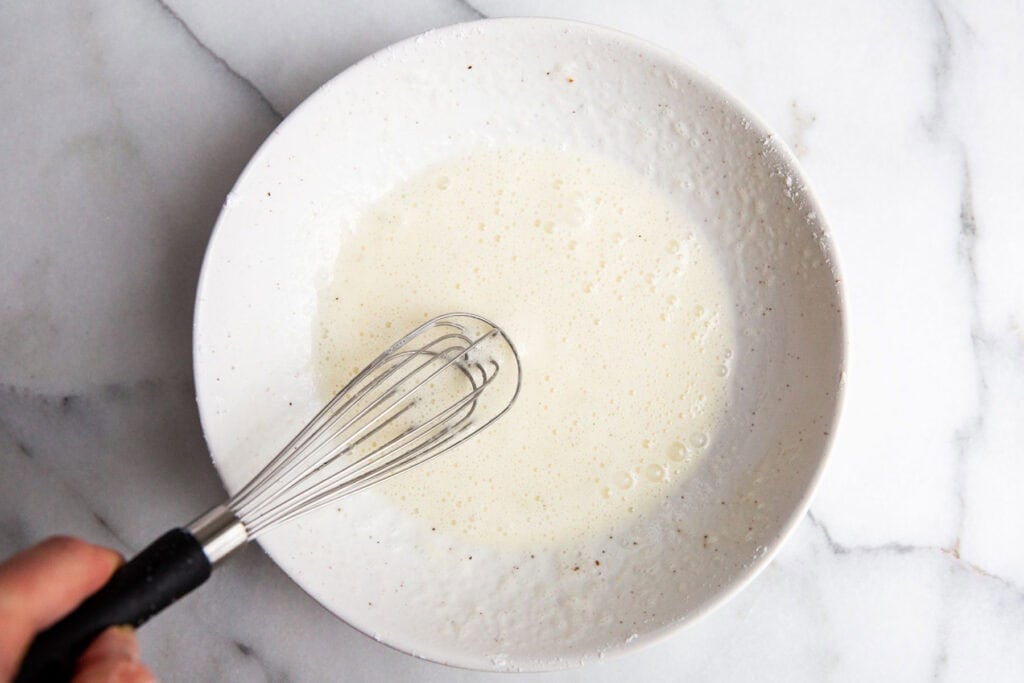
<point>472,8</point>
<point>937,124</point>
<point>220,60</point>
<point>951,554</point>
<point>942,62</point>
<point>967,433</point>
<point>300,50</point>
<point>147,427</point>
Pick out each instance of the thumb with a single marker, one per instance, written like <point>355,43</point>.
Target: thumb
<point>113,658</point>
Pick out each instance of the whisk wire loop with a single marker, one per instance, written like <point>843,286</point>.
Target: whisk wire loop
<point>384,421</point>
<point>275,473</point>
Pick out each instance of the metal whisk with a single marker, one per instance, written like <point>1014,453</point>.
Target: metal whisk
<point>430,391</point>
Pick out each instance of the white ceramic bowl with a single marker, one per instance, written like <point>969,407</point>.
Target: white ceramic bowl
<point>567,85</point>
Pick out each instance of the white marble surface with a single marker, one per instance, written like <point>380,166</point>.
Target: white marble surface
<point>125,124</point>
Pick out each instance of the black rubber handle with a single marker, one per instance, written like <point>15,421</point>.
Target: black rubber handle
<point>166,570</point>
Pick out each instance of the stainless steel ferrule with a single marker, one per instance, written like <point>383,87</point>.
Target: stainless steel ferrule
<point>219,532</point>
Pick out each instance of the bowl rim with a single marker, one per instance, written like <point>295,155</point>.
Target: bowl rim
<point>740,580</point>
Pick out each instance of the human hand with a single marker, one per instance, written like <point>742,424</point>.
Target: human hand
<point>40,585</point>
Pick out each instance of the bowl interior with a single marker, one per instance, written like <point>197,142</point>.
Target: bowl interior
<point>571,86</point>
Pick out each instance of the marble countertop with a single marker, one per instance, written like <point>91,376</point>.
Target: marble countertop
<point>126,123</point>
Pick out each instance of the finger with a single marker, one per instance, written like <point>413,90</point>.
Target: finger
<point>115,671</point>
<point>113,658</point>
<point>40,585</point>
<point>117,642</point>
<point>45,582</point>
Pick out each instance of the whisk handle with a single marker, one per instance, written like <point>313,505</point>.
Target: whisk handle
<point>167,569</point>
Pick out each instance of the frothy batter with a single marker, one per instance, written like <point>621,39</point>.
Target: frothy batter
<point>617,308</point>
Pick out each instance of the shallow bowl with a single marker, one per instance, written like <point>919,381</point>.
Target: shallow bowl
<point>570,86</point>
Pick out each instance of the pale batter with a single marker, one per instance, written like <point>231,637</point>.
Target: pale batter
<point>617,308</point>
